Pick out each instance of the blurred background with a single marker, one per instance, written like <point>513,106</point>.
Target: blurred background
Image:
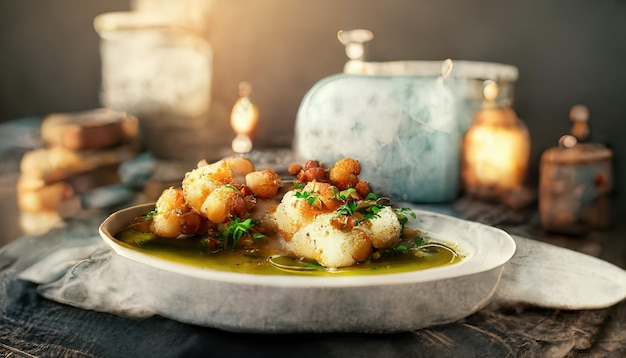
<point>568,52</point>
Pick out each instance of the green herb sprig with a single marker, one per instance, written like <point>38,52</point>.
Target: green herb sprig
<point>361,210</point>
<point>310,197</point>
<point>150,214</point>
<point>236,229</point>
<point>402,213</point>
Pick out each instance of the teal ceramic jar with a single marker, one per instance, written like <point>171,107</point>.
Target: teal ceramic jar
<point>404,121</point>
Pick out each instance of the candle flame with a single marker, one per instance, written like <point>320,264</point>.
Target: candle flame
<point>245,115</point>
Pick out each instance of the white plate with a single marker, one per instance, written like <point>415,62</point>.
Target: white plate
<point>373,303</point>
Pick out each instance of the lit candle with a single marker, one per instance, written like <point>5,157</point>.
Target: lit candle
<point>243,119</point>
<point>496,150</point>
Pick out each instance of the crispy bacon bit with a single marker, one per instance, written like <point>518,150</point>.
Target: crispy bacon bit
<point>313,170</point>
<point>313,164</point>
<point>362,188</point>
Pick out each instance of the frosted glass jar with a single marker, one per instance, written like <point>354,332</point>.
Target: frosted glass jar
<point>154,68</point>
<point>402,120</point>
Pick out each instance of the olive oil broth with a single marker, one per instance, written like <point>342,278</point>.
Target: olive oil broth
<point>252,256</point>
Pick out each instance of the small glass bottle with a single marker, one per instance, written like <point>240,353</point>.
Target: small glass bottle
<point>496,149</point>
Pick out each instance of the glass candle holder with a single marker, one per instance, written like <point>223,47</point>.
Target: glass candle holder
<point>243,119</point>
<point>496,149</point>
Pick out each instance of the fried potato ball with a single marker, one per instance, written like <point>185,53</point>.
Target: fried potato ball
<point>264,183</point>
<point>345,173</point>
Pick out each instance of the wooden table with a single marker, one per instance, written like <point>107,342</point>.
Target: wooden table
<point>33,326</point>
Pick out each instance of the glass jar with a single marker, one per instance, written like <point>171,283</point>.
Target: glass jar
<point>575,181</point>
<point>159,71</point>
<point>496,149</point>
<point>403,120</point>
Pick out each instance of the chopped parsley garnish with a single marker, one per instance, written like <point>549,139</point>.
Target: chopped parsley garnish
<point>154,212</point>
<point>421,240</point>
<point>347,209</point>
<point>310,197</point>
<point>237,228</point>
<point>402,215</point>
<point>232,232</point>
<point>361,210</point>
<point>401,248</point>
<point>232,187</point>
<point>344,194</point>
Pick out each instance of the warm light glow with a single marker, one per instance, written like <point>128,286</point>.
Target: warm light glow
<point>243,119</point>
<point>495,156</point>
<point>496,152</point>
<point>495,149</point>
<point>242,144</point>
<point>245,115</point>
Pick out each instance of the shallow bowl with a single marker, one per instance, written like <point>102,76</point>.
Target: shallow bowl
<point>366,303</point>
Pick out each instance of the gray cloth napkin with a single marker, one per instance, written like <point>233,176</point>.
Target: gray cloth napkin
<point>87,274</point>
<point>94,278</point>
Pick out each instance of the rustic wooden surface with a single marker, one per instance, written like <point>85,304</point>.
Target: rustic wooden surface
<point>33,326</point>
